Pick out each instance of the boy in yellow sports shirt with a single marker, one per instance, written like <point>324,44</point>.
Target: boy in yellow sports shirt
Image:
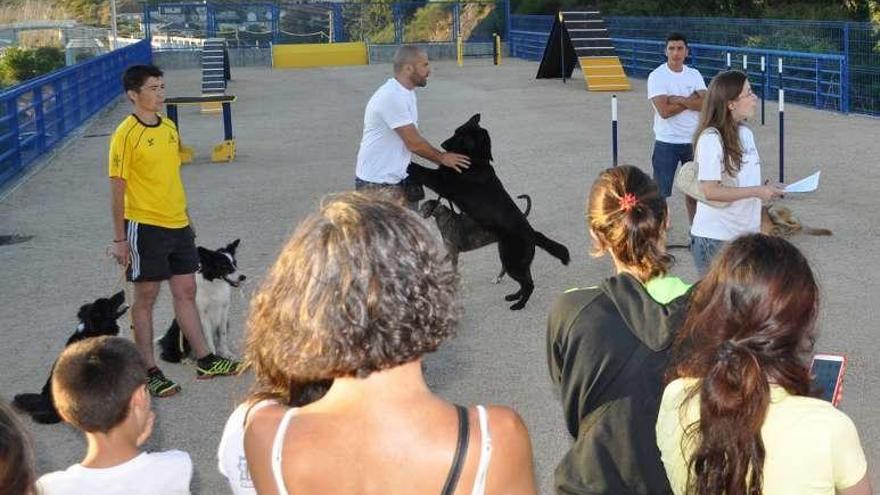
<point>153,237</point>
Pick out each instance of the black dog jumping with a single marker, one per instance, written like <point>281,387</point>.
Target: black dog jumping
<point>479,193</point>
<point>95,319</point>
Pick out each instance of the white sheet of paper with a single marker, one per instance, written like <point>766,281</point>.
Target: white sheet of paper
<point>807,184</point>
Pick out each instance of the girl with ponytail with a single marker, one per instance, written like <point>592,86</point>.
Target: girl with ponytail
<point>608,345</point>
<point>736,418</point>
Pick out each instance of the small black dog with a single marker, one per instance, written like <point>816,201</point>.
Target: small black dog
<point>479,193</point>
<point>217,276</point>
<point>95,319</point>
<point>460,232</point>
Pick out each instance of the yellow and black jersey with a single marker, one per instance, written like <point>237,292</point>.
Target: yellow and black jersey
<point>148,158</point>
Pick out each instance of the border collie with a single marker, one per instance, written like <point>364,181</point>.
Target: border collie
<point>214,282</point>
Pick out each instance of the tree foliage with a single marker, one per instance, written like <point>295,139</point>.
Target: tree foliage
<point>96,12</point>
<point>20,64</point>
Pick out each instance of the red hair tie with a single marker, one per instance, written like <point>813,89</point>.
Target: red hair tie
<point>628,201</point>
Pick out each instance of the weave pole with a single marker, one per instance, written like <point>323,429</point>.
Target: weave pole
<point>459,49</point>
<point>781,135</point>
<point>763,88</point>
<point>779,71</point>
<point>496,50</point>
<point>614,130</point>
<point>562,47</point>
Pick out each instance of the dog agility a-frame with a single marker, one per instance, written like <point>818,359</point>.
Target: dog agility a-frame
<point>580,37</point>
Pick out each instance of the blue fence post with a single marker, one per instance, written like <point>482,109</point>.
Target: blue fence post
<point>398,23</point>
<point>147,31</point>
<point>339,33</point>
<point>39,120</point>
<point>210,20</point>
<point>276,26</point>
<point>818,84</point>
<point>12,110</point>
<point>844,72</point>
<point>508,24</point>
<point>73,89</point>
<point>633,56</point>
<point>59,106</point>
<point>456,21</point>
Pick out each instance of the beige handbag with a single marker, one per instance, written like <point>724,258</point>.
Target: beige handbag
<point>687,181</point>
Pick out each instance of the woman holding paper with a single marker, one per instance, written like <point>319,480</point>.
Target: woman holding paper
<point>729,169</point>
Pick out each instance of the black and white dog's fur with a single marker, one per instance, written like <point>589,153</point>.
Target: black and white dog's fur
<point>460,232</point>
<point>478,192</point>
<point>214,282</point>
<point>95,319</point>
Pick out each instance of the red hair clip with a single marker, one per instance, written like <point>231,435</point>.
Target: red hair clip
<point>628,201</point>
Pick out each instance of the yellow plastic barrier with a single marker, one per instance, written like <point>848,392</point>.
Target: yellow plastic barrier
<point>318,55</point>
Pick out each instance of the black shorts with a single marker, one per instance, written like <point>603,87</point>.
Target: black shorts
<point>157,253</point>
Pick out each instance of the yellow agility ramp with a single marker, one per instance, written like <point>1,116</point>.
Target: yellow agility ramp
<point>318,55</point>
<point>581,38</point>
<point>604,74</point>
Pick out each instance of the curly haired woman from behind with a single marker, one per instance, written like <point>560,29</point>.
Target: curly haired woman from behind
<point>737,418</point>
<point>360,293</point>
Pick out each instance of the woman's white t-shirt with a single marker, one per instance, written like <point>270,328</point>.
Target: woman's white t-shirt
<point>739,217</point>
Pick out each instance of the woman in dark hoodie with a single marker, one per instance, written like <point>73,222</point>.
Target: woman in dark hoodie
<point>608,345</point>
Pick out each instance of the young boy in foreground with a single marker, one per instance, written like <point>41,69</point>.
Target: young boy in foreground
<point>99,388</point>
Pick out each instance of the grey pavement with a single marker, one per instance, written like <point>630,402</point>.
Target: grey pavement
<point>297,134</point>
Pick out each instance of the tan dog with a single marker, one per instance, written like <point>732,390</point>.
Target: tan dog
<point>779,221</point>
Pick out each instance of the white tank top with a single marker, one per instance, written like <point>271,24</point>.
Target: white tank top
<point>231,461</point>
<point>482,468</point>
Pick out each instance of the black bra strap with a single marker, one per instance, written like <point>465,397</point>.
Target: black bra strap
<point>460,451</point>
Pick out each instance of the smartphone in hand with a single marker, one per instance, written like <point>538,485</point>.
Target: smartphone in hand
<point>827,372</point>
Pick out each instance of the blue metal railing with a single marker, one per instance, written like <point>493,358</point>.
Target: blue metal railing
<point>35,116</point>
<point>528,35</point>
<point>814,79</point>
<point>828,64</point>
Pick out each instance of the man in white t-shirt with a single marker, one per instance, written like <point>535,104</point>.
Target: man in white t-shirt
<point>391,133</point>
<point>676,91</point>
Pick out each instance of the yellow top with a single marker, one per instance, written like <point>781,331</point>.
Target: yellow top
<point>811,447</point>
<point>148,158</point>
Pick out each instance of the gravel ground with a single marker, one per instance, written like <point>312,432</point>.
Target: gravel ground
<point>297,134</point>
